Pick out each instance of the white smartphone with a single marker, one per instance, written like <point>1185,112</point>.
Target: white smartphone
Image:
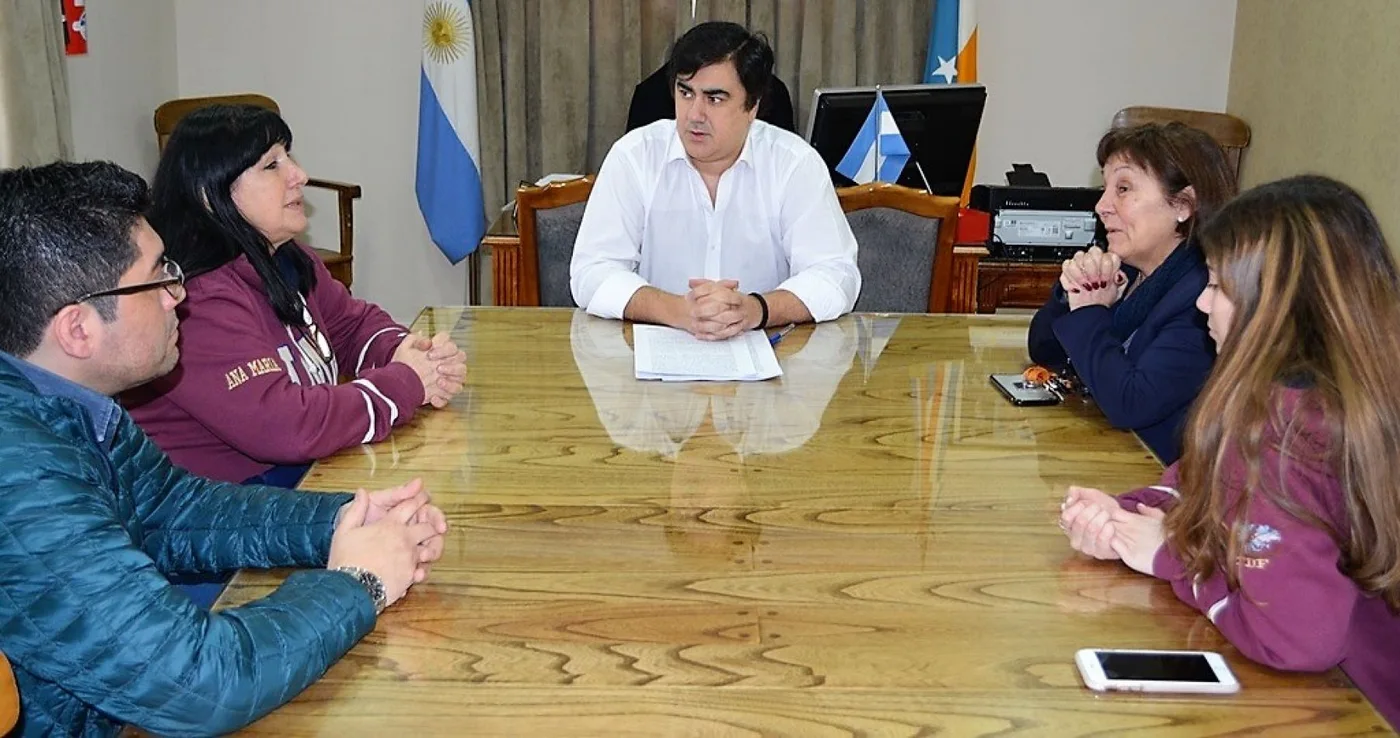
<point>1202,672</point>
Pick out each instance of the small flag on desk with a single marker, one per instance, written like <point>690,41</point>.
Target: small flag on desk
<point>449,180</point>
<point>879,151</point>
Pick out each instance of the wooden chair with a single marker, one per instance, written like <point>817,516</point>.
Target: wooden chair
<point>1230,132</point>
<point>906,247</point>
<point>537,273</point>
<point>338,262</point>
<point>9,697</point>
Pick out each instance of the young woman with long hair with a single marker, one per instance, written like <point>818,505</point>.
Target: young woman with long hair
<point>1281,522</point>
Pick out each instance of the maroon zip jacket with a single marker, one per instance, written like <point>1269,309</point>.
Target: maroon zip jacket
<point>1294,609</point>
<point>250,393</point>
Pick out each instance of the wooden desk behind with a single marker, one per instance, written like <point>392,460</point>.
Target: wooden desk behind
<point>866,546</point>
<point>979,285</point>
<point>502,243</point>
<point>1014,284</point>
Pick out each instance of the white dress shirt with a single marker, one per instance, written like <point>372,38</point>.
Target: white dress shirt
<point>775,224</point>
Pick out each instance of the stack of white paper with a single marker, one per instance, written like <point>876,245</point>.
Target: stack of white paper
<point>674,355</point>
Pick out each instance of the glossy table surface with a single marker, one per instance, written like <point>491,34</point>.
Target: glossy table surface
<point>865,546</point>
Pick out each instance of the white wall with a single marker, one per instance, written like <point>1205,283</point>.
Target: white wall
<point>1316,84</point>
<point>1057,71</point>
<point>129,70</point>
<point>345,73</point>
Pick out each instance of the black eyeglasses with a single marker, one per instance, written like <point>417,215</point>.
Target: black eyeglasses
<point>174,280</point>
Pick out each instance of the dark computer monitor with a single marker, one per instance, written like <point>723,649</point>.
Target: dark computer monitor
<point>939,122</point>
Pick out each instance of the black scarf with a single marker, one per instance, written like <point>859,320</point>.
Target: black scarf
<point>1134,308</point>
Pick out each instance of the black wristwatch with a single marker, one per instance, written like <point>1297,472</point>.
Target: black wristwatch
<point>372,584</point>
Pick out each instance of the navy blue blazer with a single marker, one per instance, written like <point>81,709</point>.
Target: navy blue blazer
<point>1148,386</point>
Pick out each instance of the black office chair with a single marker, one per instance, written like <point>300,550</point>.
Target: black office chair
<point>652,101</point>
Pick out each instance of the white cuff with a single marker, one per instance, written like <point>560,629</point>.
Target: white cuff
<point>824,300</point>
<point>611,298</point>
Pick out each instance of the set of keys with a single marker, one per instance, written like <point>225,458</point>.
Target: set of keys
<point>1062,384</point>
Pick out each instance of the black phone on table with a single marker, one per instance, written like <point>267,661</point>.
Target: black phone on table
<point>1018,391</point>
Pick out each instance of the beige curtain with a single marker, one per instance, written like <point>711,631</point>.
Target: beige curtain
<point>35,126</point>
<point>834,43</point>
<point>555,77</point>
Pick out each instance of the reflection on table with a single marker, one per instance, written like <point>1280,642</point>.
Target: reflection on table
<point>866,547</point>
<point>751,417</point>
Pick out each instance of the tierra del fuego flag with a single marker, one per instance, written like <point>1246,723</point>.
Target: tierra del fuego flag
<point>448,182</point>
<point>952,54</point>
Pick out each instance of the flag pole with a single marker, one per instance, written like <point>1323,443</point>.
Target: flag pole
<point>922,176</point>
<point>878,97</point>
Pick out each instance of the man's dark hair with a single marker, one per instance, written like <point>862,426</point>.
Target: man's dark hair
<point>718,41</point>
<point>66,229</point>
<point>193,208</point>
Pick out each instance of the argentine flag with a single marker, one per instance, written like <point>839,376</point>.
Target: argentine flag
<point>449,180</point>
<point>879,151</point>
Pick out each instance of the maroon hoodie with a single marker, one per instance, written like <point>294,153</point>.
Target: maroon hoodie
<point>250,392</point>
<point>1294,609</point>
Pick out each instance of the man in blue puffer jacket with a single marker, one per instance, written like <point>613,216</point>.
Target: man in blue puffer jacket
<point>94,518</point>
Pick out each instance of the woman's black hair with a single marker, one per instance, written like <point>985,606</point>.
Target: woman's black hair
<point>192,201</point>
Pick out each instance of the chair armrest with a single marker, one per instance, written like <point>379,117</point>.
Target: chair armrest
<point>345,196</point>
<point>341,188</point>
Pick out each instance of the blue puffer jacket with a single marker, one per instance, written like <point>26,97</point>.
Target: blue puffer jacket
<point>90,529</point>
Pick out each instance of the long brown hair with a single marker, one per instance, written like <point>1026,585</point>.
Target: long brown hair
<point>1316,298</point>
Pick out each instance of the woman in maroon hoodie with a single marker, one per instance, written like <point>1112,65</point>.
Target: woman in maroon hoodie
<point>1281,522</point>
<point>265,332</point>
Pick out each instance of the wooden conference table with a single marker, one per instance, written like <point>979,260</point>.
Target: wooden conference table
<point>864,547</point>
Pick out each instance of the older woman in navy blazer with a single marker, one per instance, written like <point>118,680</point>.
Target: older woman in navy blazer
<point>1125,319</point>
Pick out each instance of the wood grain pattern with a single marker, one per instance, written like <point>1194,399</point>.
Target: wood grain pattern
<point>1014,284</point>
<point>866,546</point>
<point>506,287</point>
<point>362,708</point>
<point>962,296</point>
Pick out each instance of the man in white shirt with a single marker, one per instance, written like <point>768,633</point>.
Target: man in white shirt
<point>715,223</point>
